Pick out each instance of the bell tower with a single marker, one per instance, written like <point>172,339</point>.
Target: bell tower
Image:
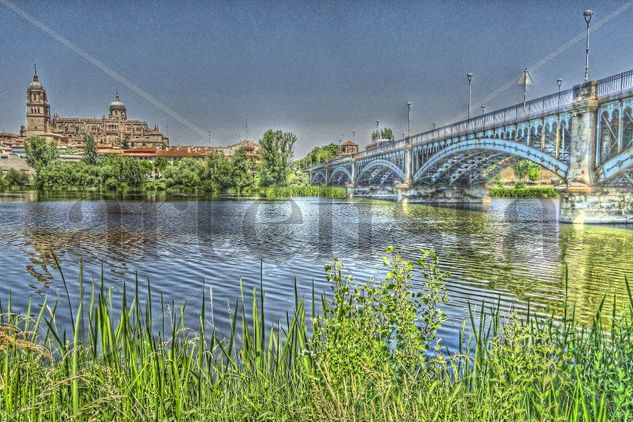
<point>38,114</point>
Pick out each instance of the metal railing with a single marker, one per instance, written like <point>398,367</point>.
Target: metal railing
<point>616,84</point>
<point>532,109</point>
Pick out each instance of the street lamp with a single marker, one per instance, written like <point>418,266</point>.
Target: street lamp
<point>470,91</point>
<point>483,109</point>
<point>409,118</point>
<point>587,14</point>
<point>525,80</point>
<point>559,81</point>
<point>434,124</point>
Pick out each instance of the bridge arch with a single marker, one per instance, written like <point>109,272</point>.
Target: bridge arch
<point>382,163</point>
<point>342,170</point>
<point>499,149</point>
<point>317,177</point>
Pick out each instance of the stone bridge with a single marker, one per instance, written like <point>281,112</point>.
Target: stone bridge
<point>583,134</point>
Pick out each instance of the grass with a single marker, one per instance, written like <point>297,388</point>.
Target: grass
<point>364,358</point>
<point>297,191</point>
<point>523,192</point>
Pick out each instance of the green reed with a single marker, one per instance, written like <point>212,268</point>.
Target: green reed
<point>334,192</point>
<point>360,359</point>
<point>542,192</point>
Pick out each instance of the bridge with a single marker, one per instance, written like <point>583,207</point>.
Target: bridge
<point>584,135</point>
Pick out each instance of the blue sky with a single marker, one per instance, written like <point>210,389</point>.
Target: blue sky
<point>320,69</point>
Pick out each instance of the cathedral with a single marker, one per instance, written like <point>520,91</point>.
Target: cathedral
<point>116,130</point>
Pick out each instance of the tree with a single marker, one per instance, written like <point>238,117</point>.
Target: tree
<point>243,170</point>
<point>160,165</point>
<point>40,153</point>
<point>125,144</point>
<point>527,168</point>
<point>90,150</point>
<point>385,133</point>
<point>276,149</point>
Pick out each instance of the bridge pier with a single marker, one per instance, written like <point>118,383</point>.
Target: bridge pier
<point>596,206</point>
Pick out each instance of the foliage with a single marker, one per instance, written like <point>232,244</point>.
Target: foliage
<point>90,150</point>
<point>385,133</point>
<point>112,172</point>
<point>527,169</point>
<point>522,191</point>
<point>366,360</point>
<point>40,152</point>
<point>276,149</point>
<point>14,180</point>
<point>320,154</point>
<point>305,190</point>
<point>380,330</point>
<point>125,144</point>
<point>243,171</point>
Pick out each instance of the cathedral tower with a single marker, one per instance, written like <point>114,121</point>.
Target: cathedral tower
<point>117,109</point>
<point>38,114</point>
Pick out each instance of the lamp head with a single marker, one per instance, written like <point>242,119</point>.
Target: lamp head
<point>587,14</point>
<point>559,81</point>
<point>469,76</point>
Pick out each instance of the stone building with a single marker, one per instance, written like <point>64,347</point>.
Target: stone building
<point>112,131</point>
<point>348,148</point>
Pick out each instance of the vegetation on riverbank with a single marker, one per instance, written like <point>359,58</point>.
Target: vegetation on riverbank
<point>275,176</point>
<point>519,190</point>
<point>366,357</point>
<point>297,191</point>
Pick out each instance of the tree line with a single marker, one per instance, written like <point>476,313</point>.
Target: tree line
<point>215,173</point>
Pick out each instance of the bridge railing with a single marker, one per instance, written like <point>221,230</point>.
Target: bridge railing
<point>615,84</point>
<point>532,109</point>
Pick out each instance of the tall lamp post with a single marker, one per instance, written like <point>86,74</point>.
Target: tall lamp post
<point>470,91</point>
<point>409,119</point>
<point>525,80</point>
<point>559,81</point>
<point>587,14</point>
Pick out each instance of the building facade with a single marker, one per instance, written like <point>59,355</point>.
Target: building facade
<point>116,130</point>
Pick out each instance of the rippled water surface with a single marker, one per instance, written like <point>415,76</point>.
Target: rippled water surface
<point>511,250</point>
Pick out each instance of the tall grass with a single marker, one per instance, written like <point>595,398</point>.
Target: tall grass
<point>367,359</point>
<point>296,191</point>
<point>543,192</point>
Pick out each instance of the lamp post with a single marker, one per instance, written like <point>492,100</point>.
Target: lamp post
<point>525,80</point>
<point>470,91</point>
<point>483,109</point>
<point>559,81</point>
<point>409,119</point>
<point>587,14</point>
<point>434,125</point>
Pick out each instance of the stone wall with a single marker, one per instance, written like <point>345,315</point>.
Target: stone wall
<point>596,206</point>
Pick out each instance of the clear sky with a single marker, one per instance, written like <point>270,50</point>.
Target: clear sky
<point>321,69</point>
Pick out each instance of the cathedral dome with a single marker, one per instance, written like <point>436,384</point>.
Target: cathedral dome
<point>117,104</point>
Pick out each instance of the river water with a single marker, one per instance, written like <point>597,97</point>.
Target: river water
<point>511,251</point>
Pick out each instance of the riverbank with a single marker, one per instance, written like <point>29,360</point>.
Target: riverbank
<point>112,368</point>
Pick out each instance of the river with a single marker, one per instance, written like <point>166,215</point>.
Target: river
<point>511,251</point>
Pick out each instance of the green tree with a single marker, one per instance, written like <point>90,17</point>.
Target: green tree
<point>243,170</point>
<point>40,153</point>
<point>90,150</point>
<point>276,149</point>
<point>160,164</point>
<point>527,169</point>
<point>125,144</point>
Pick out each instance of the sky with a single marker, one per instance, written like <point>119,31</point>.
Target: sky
<point>321,69</point>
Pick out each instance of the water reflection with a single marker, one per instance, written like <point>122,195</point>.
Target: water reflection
<point>512,250</point>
